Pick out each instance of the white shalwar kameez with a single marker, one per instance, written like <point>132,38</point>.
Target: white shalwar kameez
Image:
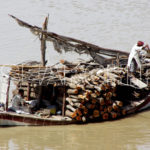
<point>134,55</point>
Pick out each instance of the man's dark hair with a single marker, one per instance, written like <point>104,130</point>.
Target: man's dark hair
<point>21,91</point>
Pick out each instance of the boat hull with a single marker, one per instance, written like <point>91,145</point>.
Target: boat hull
<point>13,119</point>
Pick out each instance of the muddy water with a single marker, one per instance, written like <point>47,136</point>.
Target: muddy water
<point>131,133</point>
<point>114,24</point>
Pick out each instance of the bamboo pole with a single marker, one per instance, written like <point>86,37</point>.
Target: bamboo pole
<point>7,93</point>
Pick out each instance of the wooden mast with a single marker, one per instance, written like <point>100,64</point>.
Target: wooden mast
<point>43,42</point>
<point>43,52</point>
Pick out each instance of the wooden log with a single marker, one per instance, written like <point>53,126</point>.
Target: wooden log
<point>95,83</point>
<point>73,100</point>
<point>85,111</point>
<point>83,119</point>
<point>119,103</point>
<point>110,75</point>
<point>73,86</point>
<point>82,106</point>
<point>69,100</point>
<point>109,95</point>
<point>97,93</point>
<point>96,113</point>
<point>89,86</point>
<point>101,108</point>
<point>101,113</point>
<point>78,118</point>
<point>82,97</point>
<point>102,87</point>
<point>105,116</point>
<point>90,106</point>
<point>73,96</point>
<point>98,88</point>
<point>77,105</point>
<point>79,112</point>
<point>87,96</point>
<point>105,109</point>
<point>94,101</point>
<point>113,115</point>
<point>108,102</point>
<point>109,109</point>
<point>79,87</point>
<point>101,101</point>
<point>93,95</point>
<point>88,92</point>
<point>70,108</point>
<point>68,113</point>
<point>123,112</point>
<point>72,91</point>
<point>114,106</point>
<point>74,115</point>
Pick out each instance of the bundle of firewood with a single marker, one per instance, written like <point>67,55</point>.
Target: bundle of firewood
<point>92,96</point>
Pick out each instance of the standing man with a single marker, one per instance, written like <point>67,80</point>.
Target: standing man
<point>135,57</point>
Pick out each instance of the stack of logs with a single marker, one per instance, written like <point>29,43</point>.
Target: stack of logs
<point>93,98</point>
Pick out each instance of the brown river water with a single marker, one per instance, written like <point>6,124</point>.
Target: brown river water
<point>114,24</point>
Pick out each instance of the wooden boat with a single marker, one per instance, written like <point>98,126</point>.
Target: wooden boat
<point>13,119</point>
<point>29,75</point>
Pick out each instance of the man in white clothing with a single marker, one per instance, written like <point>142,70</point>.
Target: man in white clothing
<point>135,57</point>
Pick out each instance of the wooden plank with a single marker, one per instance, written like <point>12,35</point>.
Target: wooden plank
<point>138,83</point>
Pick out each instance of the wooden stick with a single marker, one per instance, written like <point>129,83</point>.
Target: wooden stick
<point>7,94</point>
<point>28,92</point>
<point>63,104</point>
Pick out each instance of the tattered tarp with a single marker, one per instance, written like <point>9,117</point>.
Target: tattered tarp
<point>70,44</point>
